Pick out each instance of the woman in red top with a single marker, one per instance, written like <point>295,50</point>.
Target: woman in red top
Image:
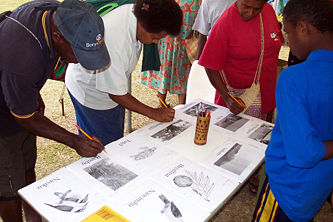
<point>234,46</point>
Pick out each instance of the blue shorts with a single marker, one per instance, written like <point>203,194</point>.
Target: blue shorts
<point>107,125</point>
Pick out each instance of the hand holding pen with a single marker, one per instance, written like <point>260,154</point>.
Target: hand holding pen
<point>235,105</point>
<point>92,138</point>
<point>163,114</point>
<point>163,103</point>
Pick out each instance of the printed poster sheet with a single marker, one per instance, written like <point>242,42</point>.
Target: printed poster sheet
<point>196,183</point>
<point>62,196</point>
<point>235,159</point>
<point>136,152</point>
<point>103,173</point>
<point>152,202</point>
<point>252,130</point>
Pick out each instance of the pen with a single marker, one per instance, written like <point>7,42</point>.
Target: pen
<point>236,100</point>
<point>89,137</point>
<point>162,102</point>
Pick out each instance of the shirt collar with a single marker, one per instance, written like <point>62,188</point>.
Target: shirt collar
<point>322,55</point>
<point>53,54</point>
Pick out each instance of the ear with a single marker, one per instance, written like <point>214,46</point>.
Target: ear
<point>303,28</point>
<point>56,37</point>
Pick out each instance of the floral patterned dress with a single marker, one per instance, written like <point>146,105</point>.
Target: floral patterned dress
<point>175,65</point>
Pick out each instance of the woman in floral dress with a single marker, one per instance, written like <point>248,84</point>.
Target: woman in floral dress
<point>175,65</point>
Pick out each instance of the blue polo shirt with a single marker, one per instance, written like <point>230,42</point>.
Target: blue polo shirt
<point>26,62</point>
<point>300,180</point>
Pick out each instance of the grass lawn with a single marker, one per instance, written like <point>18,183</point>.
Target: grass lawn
<point>52,155</point>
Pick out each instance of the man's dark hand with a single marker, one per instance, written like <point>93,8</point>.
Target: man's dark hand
<point>86,147</point>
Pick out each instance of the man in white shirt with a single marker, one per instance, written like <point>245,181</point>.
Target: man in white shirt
<point>209,12</point>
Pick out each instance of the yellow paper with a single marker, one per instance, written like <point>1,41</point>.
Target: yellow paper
<point>105,214</point>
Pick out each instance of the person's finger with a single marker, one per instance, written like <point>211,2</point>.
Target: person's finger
<point>170,114</point>
<point>95,138</point>
<point>95,147</point>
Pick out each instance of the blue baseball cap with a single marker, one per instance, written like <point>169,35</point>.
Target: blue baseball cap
<point>83,28</point>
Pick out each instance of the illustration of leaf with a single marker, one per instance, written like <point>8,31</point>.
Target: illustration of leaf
<point>205,185</point>
<point>200,177</point>
<point>195,177</point>
<point>209,190</point>
<point>201,184</point>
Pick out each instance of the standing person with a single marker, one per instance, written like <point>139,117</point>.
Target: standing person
<point>34,37</point>
<point>278,6</point>
<point>175,64</point>
<point>299,157</point>
<point>100,100</point>
<point>235,46</point>
<point>209,12</point>
<point>240,59</point>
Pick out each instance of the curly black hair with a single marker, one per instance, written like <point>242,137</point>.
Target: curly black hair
<point>159,15</point>
<point>318,13</point>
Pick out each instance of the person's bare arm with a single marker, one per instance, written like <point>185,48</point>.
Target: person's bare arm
<point>329,150</point>
<point>41,126</point>
<point>41,108</point>
<point>201,44</point>
<point>131,103</point>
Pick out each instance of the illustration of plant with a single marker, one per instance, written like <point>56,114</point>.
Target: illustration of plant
<point>201,184</point>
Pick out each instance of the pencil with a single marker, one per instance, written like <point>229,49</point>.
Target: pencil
<point>89,137</point>
<point>81,130</point>
<point>236,100</point>
<point>162,102</point>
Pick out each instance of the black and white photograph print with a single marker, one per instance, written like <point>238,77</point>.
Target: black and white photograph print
<point>262,134</point>
<point>233,162</point>
<point>172,130</point>
<point>231,122</point>
<point>111,174</point>
<point>199,107</point>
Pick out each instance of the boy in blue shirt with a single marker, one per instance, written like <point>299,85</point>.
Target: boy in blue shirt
<point>299,158</point>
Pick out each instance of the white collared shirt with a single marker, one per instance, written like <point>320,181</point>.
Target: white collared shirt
<point>92,90</point>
